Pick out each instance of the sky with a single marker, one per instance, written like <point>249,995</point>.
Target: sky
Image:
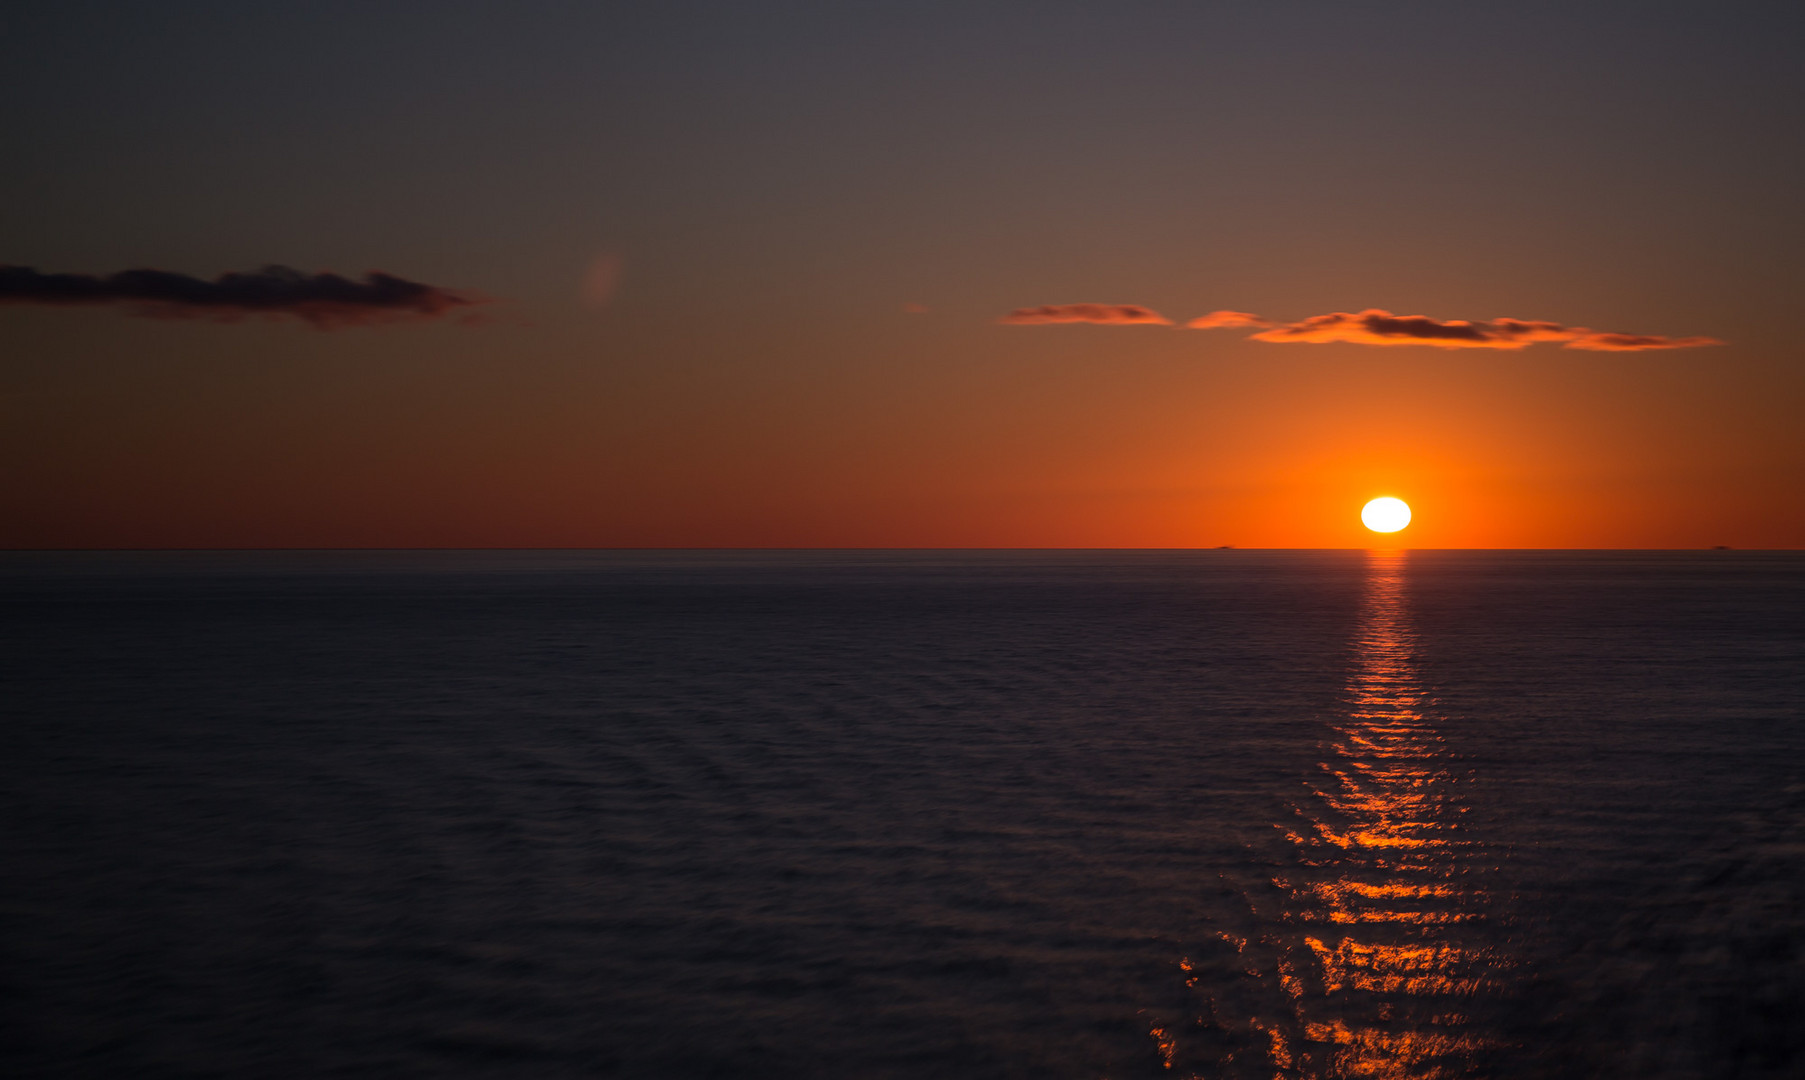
<point>879,274</point>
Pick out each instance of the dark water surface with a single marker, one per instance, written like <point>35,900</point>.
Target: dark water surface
<point>1086,815</point>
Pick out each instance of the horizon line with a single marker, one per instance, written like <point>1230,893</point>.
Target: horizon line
<point>824,548</point>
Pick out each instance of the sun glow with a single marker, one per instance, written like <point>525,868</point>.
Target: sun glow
<point>1385,515</point>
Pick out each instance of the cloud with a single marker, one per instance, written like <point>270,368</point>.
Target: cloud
<point>325,300</point>
<point>1222,320</point>
<point>1101,314</point>
<point>1375,326</point>
<point>1636,342</point>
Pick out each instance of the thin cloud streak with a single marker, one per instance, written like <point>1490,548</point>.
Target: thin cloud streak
<point>1376,326</point>
<point>325,300</point>
<point>1098,314</point>
<point>1636,342</point>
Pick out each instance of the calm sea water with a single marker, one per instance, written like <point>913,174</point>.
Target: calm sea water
<point>850,815</point>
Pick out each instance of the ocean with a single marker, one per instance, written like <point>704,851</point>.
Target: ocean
<point>1066,814</point>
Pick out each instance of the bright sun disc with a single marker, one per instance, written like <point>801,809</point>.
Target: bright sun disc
<point>1386,515</point>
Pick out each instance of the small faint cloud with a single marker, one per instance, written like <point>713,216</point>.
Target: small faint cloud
<point>600,281</point>
<point>1636,342</point>
<point>325,300</point>
<point>1099,314</point>
<point>915,309</point>
<point>1222,320</point>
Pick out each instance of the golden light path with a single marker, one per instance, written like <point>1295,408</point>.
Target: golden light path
<point>1383,893</point>
<point>1385,514</point>
<point>1374,947</point>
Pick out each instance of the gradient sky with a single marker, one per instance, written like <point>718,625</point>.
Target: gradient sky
<point>747,263</point>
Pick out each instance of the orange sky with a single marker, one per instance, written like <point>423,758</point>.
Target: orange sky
<point>1106,437</point>
<point>747,280</point>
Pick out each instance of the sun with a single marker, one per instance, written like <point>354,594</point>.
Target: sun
<point>1385,515</point>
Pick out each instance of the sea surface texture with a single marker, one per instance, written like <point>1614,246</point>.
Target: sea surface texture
<point>1097,816</point>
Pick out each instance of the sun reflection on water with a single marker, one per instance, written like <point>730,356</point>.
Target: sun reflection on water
<point>1377,942</point>
<point>1390,896</point>
<point>1384,887</point>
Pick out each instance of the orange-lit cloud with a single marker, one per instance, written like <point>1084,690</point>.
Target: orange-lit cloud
<point>1101,314</point>
<point>1222,320</point>
<point>325,300</point>
<point>1378,327</point>
<point>1374,326</point>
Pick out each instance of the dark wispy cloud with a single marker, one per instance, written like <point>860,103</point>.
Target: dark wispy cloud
<point>325,300</point>
<point>1375,326</point>
<point>1100,314</point>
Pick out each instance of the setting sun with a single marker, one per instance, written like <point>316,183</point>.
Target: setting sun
<point>1385,515</point>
